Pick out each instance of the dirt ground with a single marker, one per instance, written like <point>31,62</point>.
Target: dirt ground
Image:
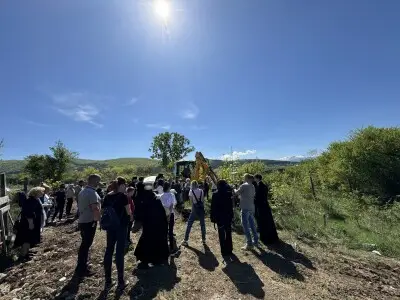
<point>294,271</point>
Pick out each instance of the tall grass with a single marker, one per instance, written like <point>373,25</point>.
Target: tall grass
<point>338,218</point>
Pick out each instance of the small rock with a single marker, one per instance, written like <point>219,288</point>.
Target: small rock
<point>15,291</point>
<point>5,289</point>
<point>2,276</point>
<point>369,246</point>
<point>377,252</point>
<point>62,279</point>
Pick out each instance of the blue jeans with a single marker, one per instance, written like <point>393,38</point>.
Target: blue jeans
<point>249,224</point>
<point>193,216</point>
<point>115,237</point>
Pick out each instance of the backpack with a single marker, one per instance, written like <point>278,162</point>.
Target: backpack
<point>109,218</point>
<point>199,204</point>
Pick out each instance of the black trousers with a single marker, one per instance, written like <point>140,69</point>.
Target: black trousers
<point>171,223</point>
<point>128,236</point>
<point>59,209</point>
<point>88,231</point>
<point>225,238</point>
<point>69,206</point>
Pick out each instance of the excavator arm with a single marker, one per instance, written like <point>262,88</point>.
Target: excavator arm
<point>203,169</point>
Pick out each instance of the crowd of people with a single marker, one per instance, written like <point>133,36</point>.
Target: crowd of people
<point>126,207</point>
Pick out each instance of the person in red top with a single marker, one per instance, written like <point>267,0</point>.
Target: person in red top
<point>130,192</point>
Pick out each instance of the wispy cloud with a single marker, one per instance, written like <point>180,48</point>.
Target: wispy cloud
<point>198,127</point>
<point>237,154</point>
<point>293,158</point>
<point>190,112</point>
<point>82,113</point>
<point>33,123</point>
<point>131,101</point>
<point>159,126</point>
<point>297,158</point>
<point>79,106</point>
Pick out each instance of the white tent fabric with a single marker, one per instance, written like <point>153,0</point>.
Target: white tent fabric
<point>150,179</point>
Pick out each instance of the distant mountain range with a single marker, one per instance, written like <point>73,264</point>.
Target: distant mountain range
<point>17,166</point>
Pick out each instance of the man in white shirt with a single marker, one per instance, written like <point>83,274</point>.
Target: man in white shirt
<point>89,215</point>
<point>246,193</point>
<point>168,200</point>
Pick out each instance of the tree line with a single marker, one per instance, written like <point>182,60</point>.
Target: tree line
<point>367,162</point>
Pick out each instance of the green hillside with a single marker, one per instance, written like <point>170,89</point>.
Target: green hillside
<point>16,166</point>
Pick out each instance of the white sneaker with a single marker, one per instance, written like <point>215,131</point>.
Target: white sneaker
<point>247,247</point>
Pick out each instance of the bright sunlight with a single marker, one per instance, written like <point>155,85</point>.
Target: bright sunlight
<point>162,9</point>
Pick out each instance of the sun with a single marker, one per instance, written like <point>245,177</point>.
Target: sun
<point>162,9</point>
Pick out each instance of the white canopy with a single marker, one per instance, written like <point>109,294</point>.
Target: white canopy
<point>150,179</point>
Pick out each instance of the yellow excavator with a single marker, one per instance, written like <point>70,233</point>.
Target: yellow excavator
<point>195,170</point>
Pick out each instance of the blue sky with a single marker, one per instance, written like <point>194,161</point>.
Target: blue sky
<point>268,78</point>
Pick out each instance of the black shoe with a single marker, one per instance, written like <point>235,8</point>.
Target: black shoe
<point>142,266</point>
<point>85,273</point>
<point>122,285</point>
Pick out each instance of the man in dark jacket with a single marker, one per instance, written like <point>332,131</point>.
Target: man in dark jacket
<point>222,215</point>
<point>60,197</point>
<point>178,189</point>
<point>265,220</point>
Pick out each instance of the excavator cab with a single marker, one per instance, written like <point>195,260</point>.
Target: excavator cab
<point>195,170</point>
<point>184,169</point>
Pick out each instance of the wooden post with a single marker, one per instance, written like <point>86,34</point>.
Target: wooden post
<point>26,181</point>
<point>312,187</point>
<point>2,185</point>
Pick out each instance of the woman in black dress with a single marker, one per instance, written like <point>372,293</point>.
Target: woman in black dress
<point>153,243</point>
<point>222,215</point>
<point>28,231</point>
<point>265,220</point>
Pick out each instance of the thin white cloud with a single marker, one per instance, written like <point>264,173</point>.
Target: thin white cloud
<point>293,158</point>
<point>82,113</point>
<point>237,154</point>
<point>33,123</point>
<point>132,101</point>
<point>198,127</point>
<point>297,158</point>
<point>79,106</point>
<point>159,126</point>
<point>190,112</point>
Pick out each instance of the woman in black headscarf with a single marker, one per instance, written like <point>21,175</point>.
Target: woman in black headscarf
<point>31,220</point>
<point>153,243</point>
<point>265,220</point>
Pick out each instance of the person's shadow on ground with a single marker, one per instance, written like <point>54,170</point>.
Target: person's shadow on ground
<point>289,253</point>
<point>153,280</point>
<point>71,288</point>
<point>245,278</point>
<point>207,260</point>
<point>278,264</point>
